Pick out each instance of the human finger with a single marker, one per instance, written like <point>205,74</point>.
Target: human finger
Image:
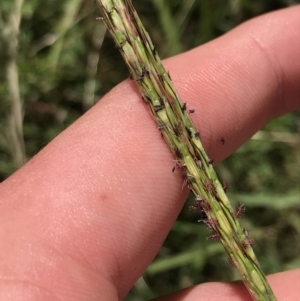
<point>102,193</point>
<point>285,286</point>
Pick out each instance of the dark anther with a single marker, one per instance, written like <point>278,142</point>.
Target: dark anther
<point>128,40</point>
<point>160,77</point>
<point>154,52</point>
<point>109,13</point>
<point>177,129</point>
<point>144,39</point>
<point>191,111</point>
<point>169,75</point>
<point>210,161</point>
<point>178,153</point>
<point>161,101</point>
<point>197,134</point>
<point>174,167</point>
<point>160,106</point>
<point>183,106</point>
<point>189,131</point>
<point>145,71</point>
<point>139,77</point>
<point>223,141</point>
<point>142,75</point>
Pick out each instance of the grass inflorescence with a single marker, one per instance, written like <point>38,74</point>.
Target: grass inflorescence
<point>172,117</point>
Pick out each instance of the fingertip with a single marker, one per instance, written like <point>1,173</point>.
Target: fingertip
<point>285,286</point>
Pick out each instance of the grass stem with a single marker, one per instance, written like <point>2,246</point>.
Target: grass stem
<point>172,119</point>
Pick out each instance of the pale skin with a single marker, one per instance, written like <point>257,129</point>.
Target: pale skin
<point>85,217</point>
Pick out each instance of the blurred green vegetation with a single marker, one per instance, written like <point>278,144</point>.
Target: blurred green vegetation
<point>64,68</point>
